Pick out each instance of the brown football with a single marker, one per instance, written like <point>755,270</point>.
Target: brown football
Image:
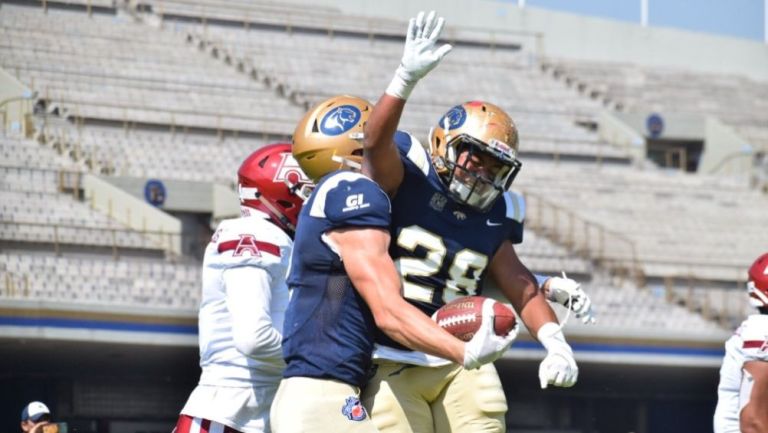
<point>462,317</point>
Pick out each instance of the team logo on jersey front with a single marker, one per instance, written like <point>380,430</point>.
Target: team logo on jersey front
<point>289,170</point>
<point>454,118</point>
<point>353,409</point>
<point>438,201</point>
<point>340,120</point>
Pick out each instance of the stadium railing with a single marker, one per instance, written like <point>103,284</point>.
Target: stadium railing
<point>586,238</point>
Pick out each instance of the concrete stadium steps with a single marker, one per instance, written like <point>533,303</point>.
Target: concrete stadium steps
<point>93,278</point>
<point>681,224</point>
<point>738,101</point>
<point>107,67</point>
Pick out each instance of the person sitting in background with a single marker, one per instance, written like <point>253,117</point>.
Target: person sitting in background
<point>34,416</point>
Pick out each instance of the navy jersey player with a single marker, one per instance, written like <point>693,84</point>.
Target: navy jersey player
<point>453,224</point>
<point>344,285</point>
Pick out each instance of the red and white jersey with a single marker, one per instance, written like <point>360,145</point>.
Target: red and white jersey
<point>240,322</point>
<point>749,343</point>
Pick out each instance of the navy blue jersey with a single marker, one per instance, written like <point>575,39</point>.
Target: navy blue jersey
<point>442,248</point>
<point>329,330</point>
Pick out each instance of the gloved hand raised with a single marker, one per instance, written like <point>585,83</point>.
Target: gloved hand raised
<point>420,54</point>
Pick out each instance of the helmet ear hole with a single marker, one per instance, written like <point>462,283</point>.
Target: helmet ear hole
<point>285,204</point>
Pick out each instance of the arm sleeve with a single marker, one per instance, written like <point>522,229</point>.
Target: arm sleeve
<point>726,419</point>
<point>248,298</point>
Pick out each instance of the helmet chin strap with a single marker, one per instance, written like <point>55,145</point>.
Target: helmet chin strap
<point>302,190</point>
<point>249,193</point>
<point>347,164</point>
<point>762,300</point>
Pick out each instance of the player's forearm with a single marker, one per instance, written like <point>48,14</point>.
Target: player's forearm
<point>382,124</point>
<point>536,312</point>
<point>412,328</point>
<point>376,279</point>
<point>264,342</point>
<point>521,289</point>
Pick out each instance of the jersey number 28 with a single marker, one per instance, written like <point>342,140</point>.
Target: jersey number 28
<point>458,281</point>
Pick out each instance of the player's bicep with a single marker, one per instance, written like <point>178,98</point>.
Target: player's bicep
<point>385,167</point>
<point>365,255</point>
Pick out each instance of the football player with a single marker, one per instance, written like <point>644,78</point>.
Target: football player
<point>742,405</point>
<point>244,299</point>
<point>344,285</point>
<point>453,222</point>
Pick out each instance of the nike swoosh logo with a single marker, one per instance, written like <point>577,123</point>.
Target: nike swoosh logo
<point>492,224</point>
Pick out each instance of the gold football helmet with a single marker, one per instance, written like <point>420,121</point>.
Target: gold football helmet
<point>330,136</point>
<point>475,128</point>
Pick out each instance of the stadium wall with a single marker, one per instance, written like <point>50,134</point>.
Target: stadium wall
<point>577,37</point>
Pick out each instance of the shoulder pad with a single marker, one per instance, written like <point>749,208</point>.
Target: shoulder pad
<point>515,204</point>
<point>320,194</point>
<point>413,151</point>
<point>351,199</point>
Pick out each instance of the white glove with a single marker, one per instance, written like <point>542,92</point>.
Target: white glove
<point>420,55</point>
<point>485,346</point>
<point>569,293</point>
<point>558,367</point>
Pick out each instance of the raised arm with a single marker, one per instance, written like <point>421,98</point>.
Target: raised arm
<point>364,252</point>
<point>381,160</point>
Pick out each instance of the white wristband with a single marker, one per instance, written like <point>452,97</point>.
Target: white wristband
<point>551,337</point>
<point>401,85</point>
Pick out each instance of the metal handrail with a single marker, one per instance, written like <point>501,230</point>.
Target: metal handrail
<point>586,238</point>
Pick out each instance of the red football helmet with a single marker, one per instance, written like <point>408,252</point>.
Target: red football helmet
<point>270,181</point>
<point>757,286</point>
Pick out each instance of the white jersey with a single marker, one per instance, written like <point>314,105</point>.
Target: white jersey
<point>749,343</point>
<point>240,322</point>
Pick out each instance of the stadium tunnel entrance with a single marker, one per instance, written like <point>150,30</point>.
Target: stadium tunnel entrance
<point>611,398</point>
<point>97,387</point>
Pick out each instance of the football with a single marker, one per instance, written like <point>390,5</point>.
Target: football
<point>462,317</point>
